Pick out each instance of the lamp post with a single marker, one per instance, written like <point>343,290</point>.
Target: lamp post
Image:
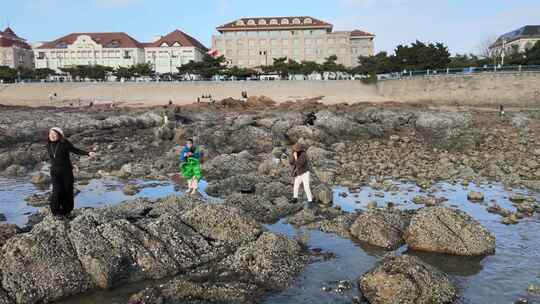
<point>503,52</point>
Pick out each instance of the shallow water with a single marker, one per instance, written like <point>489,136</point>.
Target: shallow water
<point>96,194</point>
<point>500,278</point>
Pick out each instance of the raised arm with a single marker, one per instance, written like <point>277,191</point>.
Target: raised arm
<point>75,150</point>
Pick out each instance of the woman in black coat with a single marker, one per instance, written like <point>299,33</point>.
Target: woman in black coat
<point>58,150</point>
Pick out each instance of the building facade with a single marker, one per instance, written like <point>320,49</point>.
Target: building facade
<point>14,50</point>
<point>517,41</point>
<point>118,50</point>
<point>253,42</point>
<point>175,49</point>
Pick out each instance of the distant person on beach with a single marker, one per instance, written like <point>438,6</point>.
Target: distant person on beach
<point>58,150</point>
<point>300,171</point>
<point>190,158</point>
<point>310,119</point>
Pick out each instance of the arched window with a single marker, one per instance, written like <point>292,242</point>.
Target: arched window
<point>251,22</point>
<point>296,21</point>
<point>273,22</point>
<point>164,44</point>
<point>308,21</point>
<point>262,21</point>
<point>284,21</point>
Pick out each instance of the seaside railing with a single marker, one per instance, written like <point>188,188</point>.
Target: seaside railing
<point>511,69</point>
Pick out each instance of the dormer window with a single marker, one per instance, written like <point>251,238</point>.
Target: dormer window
<point>113,44</point>
<point>296,21</point>
<point>164,44</point>
<point>284,21</point>
<point>240,23</point>
<point>262,21</point>
<point>251,22</point>
<point>177,44</point>
<point>308,21</point>
<point>61,45</point>
<point>273,22</point>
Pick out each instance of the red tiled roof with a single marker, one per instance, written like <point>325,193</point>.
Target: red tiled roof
<point>176,36</point>
<point>8,38</point>
<point>359,33</point>
<point>264,22</point>
<point>107,40</point>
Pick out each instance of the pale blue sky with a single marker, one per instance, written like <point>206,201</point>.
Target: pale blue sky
<point>461,24</point>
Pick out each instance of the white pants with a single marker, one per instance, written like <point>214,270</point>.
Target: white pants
<point>302,179</point>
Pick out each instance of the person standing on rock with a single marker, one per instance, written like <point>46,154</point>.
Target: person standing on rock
<point>300,171</point>
<point>190,167</point>
<point>58,150</point>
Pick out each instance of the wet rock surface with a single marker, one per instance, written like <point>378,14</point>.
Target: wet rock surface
<point>406,279</point>
<point>245,163</point>
<point>381,228</point>
<point>139,241</point>
<point>446,230</point>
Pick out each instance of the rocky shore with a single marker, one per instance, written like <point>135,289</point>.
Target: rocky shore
<point>222,253</point>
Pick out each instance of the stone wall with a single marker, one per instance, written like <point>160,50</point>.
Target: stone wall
<point>480,90</point>
<point>484,89</point>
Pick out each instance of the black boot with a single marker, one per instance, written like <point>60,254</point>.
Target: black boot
<point>293,201</point>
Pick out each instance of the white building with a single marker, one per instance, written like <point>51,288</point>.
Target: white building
<point>253,42</point>
<point>107,49</point>
<point>14,50</point>
<point>175,49</point>
<point>118,50</point>
<point>517,41</point>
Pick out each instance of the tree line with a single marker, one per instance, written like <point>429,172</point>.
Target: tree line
<point>416,56</point>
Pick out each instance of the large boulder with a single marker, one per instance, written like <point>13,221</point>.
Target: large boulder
<point>340,125</point>
<point>382,228</point>
<point>250,138</point>
<point>222,223</point>
<point>42,266</point>
<point>446,230</point>
<point>272,260</point>
<point>324,194</point>
<point>226,165</point>
<point>406,280</point>
<point>262,208</point>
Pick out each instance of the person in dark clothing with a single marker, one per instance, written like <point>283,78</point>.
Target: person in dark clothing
<point>58,150</point>
<point>300,172</point>
<point>310,119</point>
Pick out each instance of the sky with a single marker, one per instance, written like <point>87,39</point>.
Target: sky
<point>463,25</point>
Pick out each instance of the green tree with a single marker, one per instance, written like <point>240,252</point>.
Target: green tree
<point>123,72</point>
<point>422,56</point>
<point>240,72</point>
<point>44,73</point>
<point>377,64</point>
<point>142,70</point>
<point>310,67</point>
<point>7,74</point>
<point>465,61</point>
<point>532,55</point>
<point>207,68</point>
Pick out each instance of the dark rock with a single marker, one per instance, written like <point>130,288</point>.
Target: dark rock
<point>381,228</point>
<point>406,279</point>
<point>445,230</point>
<point>6,232</point>
<point>184,291</point>
<point>272,260</point>
<point>41,266</point>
